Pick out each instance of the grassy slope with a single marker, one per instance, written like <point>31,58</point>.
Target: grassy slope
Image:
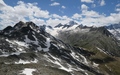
<point>90,41</point>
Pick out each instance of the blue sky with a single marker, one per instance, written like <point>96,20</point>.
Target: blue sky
<point>52,12</point>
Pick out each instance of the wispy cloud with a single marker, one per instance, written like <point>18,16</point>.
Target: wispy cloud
<point>88,1</point>
<point>93,5</point>
<point>52,0</point>
<point>102,3</point>
<point>117,8</point>
<point>118,5</point>
<point>55,4</point>
<point>84,7</point>
<point>63,7</point>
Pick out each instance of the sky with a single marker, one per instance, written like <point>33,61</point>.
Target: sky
<point>52,12</point>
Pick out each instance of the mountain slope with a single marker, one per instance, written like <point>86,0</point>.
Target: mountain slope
<point>99,40</point>
<point>26,47</point>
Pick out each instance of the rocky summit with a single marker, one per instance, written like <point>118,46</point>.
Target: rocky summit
<point>80,50</point>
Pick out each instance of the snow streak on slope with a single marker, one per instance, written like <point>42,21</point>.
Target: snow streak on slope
<point>6,54</point>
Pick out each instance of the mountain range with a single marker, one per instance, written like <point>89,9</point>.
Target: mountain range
<point>69,49</point>
<point>114,29</point>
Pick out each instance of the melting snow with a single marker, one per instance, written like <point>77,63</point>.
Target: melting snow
<point>47,44</point>
<point>27,40</point>
<point>26,62</point>
<point>95,65</point>
<point>28,71</point>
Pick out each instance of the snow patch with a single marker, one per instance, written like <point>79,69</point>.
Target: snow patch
<point>27,40</point>
<point>8,54</point>
<point>26,62</point>
<point>95,65</point>
<point>47,43</point>
<point>17,42</point>
<point>21,43</point>
<point>28,71</point>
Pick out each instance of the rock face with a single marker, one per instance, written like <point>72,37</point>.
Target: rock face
<point>83,51</point>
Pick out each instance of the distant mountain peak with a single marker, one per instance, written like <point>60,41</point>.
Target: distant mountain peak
<point>72,23</point>
<point>59,25</point>
<point>67,25</point>
<point>103,30</point>
<point>19,25</point>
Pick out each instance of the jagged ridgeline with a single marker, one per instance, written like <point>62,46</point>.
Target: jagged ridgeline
<point>28,47</point>
<point>92,38</point>
<point>104,44</point>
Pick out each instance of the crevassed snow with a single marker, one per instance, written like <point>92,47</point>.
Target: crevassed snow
<point>26,62</point>
<point>28,71</point>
